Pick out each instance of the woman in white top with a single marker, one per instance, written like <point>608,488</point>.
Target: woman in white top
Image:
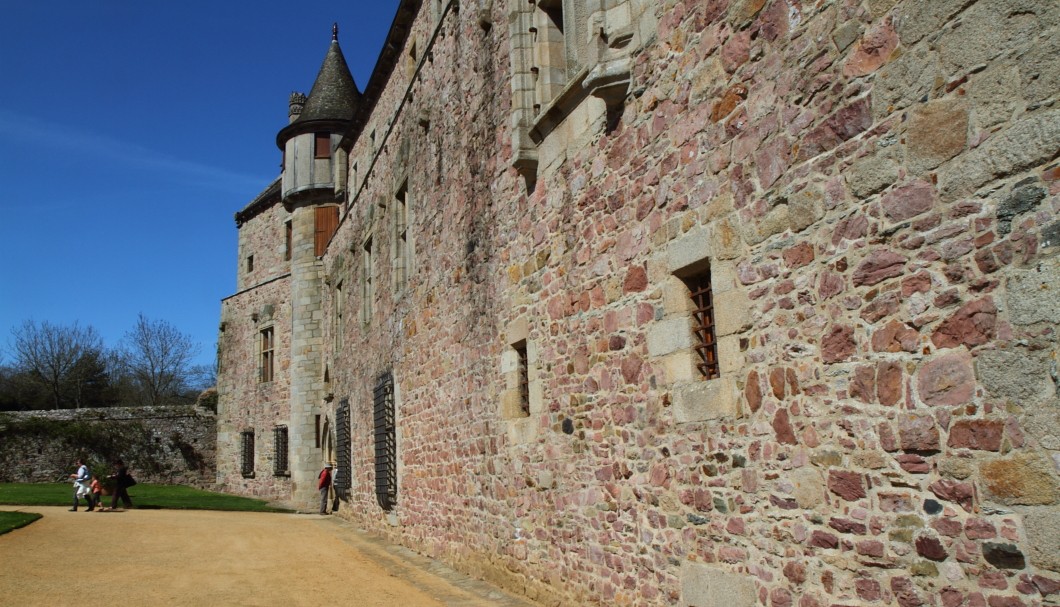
<point>82,479</point>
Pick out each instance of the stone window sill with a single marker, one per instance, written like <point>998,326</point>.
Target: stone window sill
<point>559,108</point>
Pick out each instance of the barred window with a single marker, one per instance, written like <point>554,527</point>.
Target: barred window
<point>385,442</point>
<point>705,342</point>
<point>247,453</point>
<point>344,472</point>
<point>524,377</point>
<point>280,467</point>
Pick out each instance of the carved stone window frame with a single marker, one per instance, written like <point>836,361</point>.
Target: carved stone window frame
<point>672,342</point>
<point>522,396</point>
<point>599,38</point>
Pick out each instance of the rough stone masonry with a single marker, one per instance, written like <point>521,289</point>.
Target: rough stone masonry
<point>868,189</point>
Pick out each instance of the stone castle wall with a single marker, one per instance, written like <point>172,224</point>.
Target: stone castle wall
<point>245,403</point>
<point>171,445</point>
<point>874,186</point>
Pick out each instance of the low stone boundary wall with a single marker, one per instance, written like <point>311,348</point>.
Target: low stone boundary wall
<point>158,444</point>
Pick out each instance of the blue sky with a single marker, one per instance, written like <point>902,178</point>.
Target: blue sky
<point>130,132</point>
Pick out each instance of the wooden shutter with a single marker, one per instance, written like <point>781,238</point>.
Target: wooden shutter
<point>322,145</point>
<point>327,221</point>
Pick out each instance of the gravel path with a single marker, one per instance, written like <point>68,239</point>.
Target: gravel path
<point>176,557</point>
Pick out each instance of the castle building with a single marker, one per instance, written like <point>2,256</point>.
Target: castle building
<point>676,302</point>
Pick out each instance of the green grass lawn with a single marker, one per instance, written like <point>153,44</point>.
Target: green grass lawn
<point>9,521</point>
<point>143,495</point>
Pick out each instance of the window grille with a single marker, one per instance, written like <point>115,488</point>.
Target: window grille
<point>247,453</point>
<point>524,377</point>
<point>385,442</point>
<point>281,467</point>
<point>706,341</point>
<point>344,473</point>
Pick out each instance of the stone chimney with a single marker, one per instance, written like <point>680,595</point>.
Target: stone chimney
<point>297,102</point>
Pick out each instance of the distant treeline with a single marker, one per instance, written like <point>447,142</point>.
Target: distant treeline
<point>49,366</point>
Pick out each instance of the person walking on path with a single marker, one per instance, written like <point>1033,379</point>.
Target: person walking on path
<point>122,482</point>
<point>97,492</point>
<point>324,485</point>
<point>82,478</point>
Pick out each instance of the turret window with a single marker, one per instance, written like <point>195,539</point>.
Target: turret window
<point>322,145</point>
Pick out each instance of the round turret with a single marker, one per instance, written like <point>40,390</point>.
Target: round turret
<point>318,123</point>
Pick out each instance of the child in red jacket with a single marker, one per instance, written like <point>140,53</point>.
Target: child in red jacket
<point>97,492</point>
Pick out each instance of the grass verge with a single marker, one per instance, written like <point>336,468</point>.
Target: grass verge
<point>9,521</point>
<point>176,497</point>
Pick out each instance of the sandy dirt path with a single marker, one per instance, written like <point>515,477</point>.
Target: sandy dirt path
<point>171,557</point>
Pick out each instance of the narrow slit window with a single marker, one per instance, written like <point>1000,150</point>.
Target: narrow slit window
<point>524,377</point>
<point>317,431</point>
<point>339,325</point>
<point>288,239</point>
<point>367,291</point>
<point>267,352</point>
<point>401,239</point>
<point>705,340</point>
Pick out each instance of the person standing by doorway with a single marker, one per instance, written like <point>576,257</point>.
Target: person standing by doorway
<point>336,484</point>
<point>324,485</point>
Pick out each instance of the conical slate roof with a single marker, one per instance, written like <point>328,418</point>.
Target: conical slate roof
<point>334,95</point>
<point>332,101</point>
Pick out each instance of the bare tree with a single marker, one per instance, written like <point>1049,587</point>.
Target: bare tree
<point>157,360</point>
<point>52,355</point>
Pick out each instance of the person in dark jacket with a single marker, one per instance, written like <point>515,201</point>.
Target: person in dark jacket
<point>122,482</point>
